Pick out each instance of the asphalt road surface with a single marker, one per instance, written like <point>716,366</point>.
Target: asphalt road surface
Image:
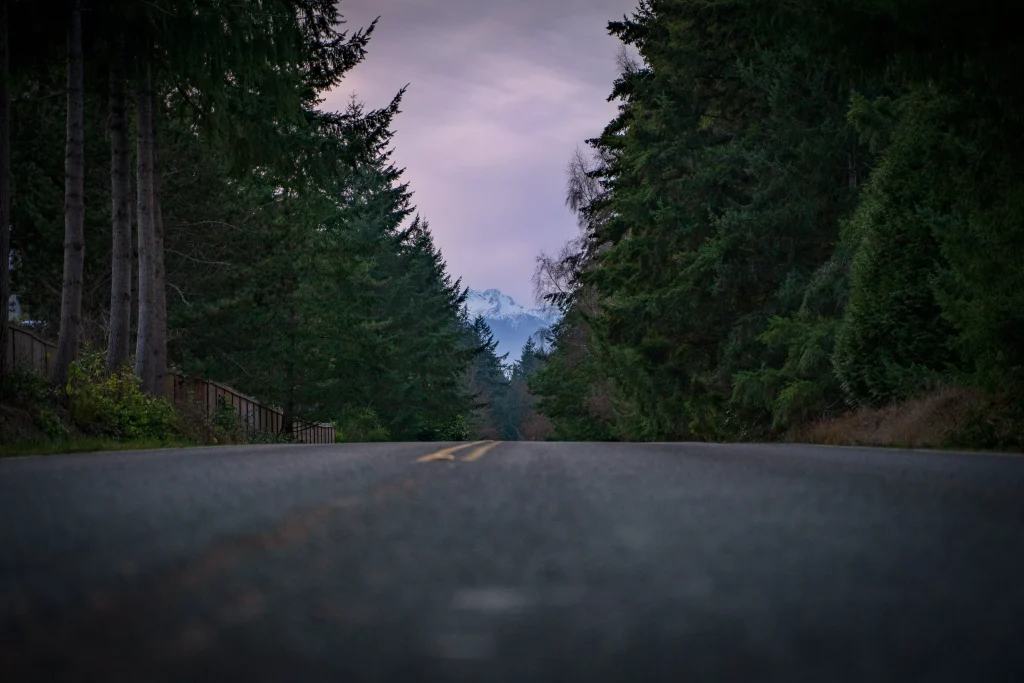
<point>513,562</point>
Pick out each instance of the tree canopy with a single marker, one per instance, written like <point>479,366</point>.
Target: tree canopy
<point>277,247</point>
<point>801,208</point>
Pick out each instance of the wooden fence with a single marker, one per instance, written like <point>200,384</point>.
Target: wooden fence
<point>26,351</point>
<point>253,416</point>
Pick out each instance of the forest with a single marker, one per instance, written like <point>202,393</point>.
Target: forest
<point>806,222</point>
<point>175,196</point>
<point>802,211</point>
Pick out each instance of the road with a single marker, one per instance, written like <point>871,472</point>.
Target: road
<point>513,562</point>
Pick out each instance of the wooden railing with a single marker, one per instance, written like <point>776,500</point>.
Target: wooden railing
<point>252,415</point>
<point>27,351</point>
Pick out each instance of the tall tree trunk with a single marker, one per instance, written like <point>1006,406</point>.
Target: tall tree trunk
<point>147,265</point>
<point>119,339</point>
<point>159,278</point>
<point>133,207</point>
<point>74,208</point>
<point>5,190</point>
<point>288,416</point>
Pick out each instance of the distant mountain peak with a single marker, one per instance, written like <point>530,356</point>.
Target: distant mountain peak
<point>511,322</point>
<point>493,304</point>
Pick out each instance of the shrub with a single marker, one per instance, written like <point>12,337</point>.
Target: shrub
<point>114,404</point>
<point>27,389</point>
<point>454,429</point>
<point>995,424</point>
<point>31,409</point>
<point>363,426</point>
<point>51,424</point>
<point>226,425</point>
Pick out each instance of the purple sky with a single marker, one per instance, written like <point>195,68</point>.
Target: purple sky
<point>500,95</point>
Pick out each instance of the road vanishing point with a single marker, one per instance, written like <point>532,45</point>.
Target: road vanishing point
<point>513,562</point>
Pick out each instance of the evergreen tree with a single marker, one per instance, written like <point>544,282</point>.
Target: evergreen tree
<point>486,380</point>
<point>148,353</point>
<point>294,267</point>
<point>74,208</point>
<point>5,186</point>
<point>572,387</point>
<point>787,219</point>
<point>519,418</point>
<point>335,311</point>
<point>119,335</point>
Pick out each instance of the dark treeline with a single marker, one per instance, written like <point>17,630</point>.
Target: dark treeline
<point>181,198</point>
<point>505,408</point>
<point>801,208</point>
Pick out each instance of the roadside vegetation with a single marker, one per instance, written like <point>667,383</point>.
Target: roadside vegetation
<point>176,195</point>
<point>806,222</point>
<point>102,411</point>
<point>953,418</point>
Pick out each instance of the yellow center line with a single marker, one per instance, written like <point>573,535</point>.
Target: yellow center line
<point>446,454</point>
<point>479,452</point>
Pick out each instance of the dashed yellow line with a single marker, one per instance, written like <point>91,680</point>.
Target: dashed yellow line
<point>446,454</point>
<point>479,452</point>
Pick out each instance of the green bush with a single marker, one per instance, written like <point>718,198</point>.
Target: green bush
<point>31,393</point>
<point>27,389</point>
<point>995,424</point>
<point>361,427</point>
<point>455,429</point>
<point>114,404</point>
<point>50,423</point>
<point>225,423</point>
<point>225,417</point>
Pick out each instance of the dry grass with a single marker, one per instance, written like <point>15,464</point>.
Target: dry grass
<point>925,422</point>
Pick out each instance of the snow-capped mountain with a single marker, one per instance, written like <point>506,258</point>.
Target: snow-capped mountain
<point>511,322</point>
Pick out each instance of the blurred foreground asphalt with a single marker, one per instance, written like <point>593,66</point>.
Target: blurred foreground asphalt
<point>513,562</point>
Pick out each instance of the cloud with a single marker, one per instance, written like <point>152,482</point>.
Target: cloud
<point>500,94</point>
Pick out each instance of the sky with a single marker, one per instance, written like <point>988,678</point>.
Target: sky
<point>501,92</point>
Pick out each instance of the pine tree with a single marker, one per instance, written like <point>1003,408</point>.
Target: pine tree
<point>119,335</point>
<point>485,380</point>
<point>74,209</point>
<point>5,187</point>
<point>147,351</point>
<point>799,208</point>
<point>333,309</point>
